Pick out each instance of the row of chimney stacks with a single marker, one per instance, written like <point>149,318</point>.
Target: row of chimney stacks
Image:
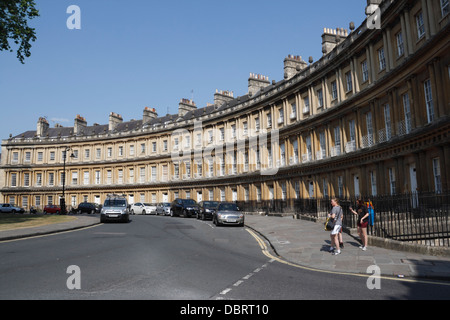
<point>292,65</point>
<point>80,122</point>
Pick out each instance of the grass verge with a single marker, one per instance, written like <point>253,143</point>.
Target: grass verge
<point>9,221</point>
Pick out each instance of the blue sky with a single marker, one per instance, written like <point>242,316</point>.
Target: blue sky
<point>132,54</point>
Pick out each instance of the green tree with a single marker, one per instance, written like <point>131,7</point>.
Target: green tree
<point>14,16</point>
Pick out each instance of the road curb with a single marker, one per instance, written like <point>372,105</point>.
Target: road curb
<point>268,241</point>
<point>317,269</point>
<point>26,233</point>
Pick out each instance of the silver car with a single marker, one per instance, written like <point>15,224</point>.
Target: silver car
<point>115,208</point>
<point>163,208</point>
<point>228,213</point>
<point>9,208</point>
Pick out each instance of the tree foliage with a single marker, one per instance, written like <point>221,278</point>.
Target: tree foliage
<point>14,16</point>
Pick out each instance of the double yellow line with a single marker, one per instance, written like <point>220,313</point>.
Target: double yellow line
<point>266,252</point>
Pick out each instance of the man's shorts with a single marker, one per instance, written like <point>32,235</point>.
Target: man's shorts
<point>336,230</point>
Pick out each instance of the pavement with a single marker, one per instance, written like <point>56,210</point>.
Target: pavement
<point>303,243</point>
<point>79,223</point>
<point>307,244</point>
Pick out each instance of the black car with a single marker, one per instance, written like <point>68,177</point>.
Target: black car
<point>207,208</point>
<point>185,207</point>
<point>87,207</point>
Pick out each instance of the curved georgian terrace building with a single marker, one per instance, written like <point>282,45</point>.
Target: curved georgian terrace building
<point>370,117</point>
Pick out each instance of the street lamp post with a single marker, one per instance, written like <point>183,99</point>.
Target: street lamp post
<point>62,201</point>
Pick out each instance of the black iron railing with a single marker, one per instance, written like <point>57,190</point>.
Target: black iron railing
<point>422,218</point>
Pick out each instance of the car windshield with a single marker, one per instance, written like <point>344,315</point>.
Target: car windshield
<point>189,202</point>
<point>148,204</point>
<point>166,204</point>
<point>115,203</point>
<point>227,207</point>
<point>210,204</point>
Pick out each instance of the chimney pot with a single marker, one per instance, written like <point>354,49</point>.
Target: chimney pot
<point>149,114</point>
<point>114,120</point>
<point>79,124</point>
<point>42,127</point>
<point>185,106</point>
<point>220,97</point>
<point>331,38</point>
<point>292,65</point>
<point>256,82</point>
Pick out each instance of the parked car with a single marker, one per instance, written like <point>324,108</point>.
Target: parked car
<point>51,208</point>
<point>150,208</point>
<point>88,207</point>
<point>184,207</point>
<point>143,208</point>
<point>207,208</point>
<point>228,213</point>
<point>115,208</point>
<point>9,208</point>
<point>163,208</point>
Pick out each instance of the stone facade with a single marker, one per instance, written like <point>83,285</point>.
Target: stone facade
<point>370,117</point>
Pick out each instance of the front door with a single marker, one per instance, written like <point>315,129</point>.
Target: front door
<point>234,195</point>
<point>356,183</point>
<point>413,185</point>
<point>311,190</point>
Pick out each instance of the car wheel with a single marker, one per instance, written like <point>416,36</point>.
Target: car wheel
<point>171,213</point>
<point>143,212</point>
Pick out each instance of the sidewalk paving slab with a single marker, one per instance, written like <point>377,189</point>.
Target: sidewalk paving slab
<point>306,243</point>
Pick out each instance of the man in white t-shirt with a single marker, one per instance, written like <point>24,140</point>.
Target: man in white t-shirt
<point>336,215</point>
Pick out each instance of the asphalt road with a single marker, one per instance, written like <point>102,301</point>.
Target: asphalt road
<point>164,258</point>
